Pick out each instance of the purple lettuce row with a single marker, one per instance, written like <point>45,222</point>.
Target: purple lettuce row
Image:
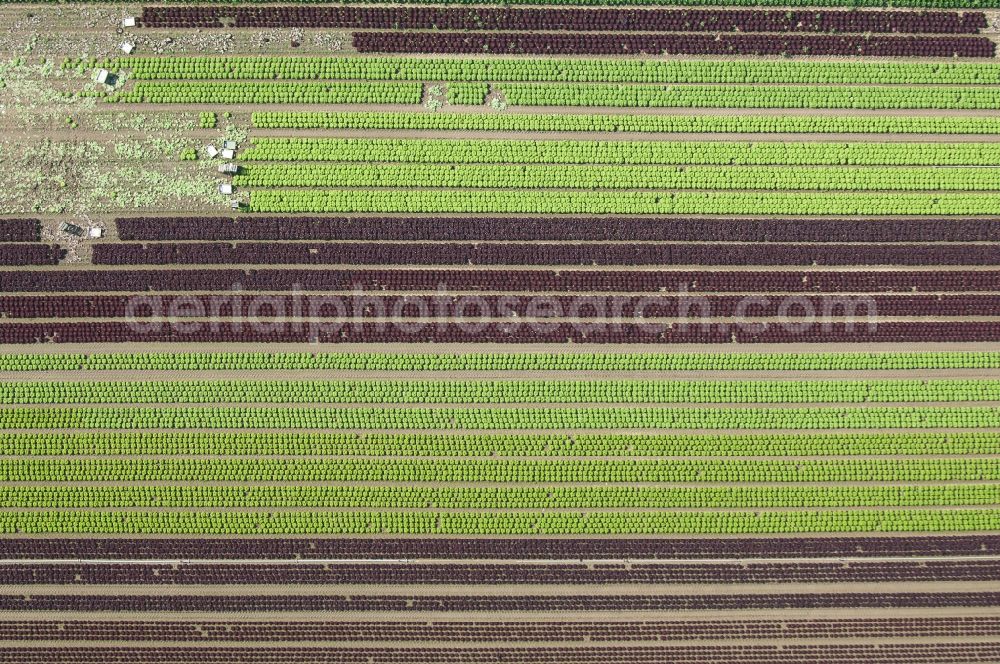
<point>20,230</point>
<point>541,254</point>
<point>571,19</point>
<point>30,254</point>
<point>491,603</point>
<point>497,632</point>
<point>558,228</point>
<point>891,653</point>
<point>472,548</point>
<point>493,574</point>
<point>440,306</point>
<point>503,281</point>
<point>499,333</point>
<point>671,44</point>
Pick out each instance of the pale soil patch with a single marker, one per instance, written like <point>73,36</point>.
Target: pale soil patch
<point>79,30</point>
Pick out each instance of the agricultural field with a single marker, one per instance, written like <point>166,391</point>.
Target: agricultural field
<point>562,332</point>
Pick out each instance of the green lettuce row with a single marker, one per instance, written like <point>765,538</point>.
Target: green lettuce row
<point>549,69</point>
<point>576,176</point>
<point>749,96</point>
<point>506,444</point>
<point>750,124</point>
<point>630,153</point>
<point>628,417</point>
<point>507,523</point>
<point>498,470</point>
<point>468,94</point>
<point>391,497</point>
<point>381,391</point>
<point>594,202</point>
<point>505,361</point>
<point>336,92</point>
